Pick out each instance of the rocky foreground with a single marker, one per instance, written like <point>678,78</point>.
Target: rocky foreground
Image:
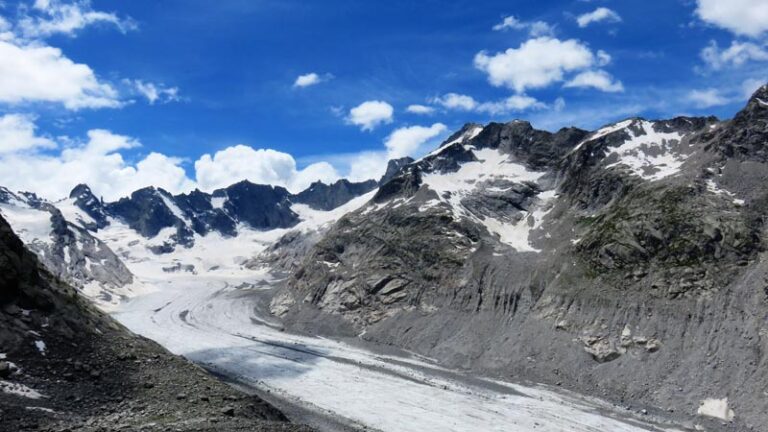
<point>64,366</point>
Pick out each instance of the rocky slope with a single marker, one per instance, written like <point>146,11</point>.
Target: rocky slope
<point>66,366</point>
<point>626,262</point>
<point>60,236</point>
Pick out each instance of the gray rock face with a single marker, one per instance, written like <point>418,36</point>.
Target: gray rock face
<point>93,207</point>
<point>629,265</point>
<point>320,196</point>
<point>393,167</point>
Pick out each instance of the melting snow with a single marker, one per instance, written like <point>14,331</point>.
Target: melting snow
<point>173,207</point>
<point>29,224</point>
<point>19,390</point>
<point>650,152</point>
<point>603,132</point>
<point>73,213</point>
<point>466,136</point>
<point>40,345</point>
<point>218,202</point>
<point>717,408</point>
<point>491,165</point>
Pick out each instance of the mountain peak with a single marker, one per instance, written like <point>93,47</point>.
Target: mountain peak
<point>81,190</point>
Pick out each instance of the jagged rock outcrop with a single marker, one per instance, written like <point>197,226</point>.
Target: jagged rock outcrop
<point>320,196</point>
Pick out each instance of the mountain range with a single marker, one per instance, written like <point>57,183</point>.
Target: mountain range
<point>626,263</point>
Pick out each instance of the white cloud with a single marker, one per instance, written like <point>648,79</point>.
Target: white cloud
<point>311,79</point>
<point>534,29</point>
<point>514,103</point>
<point>154,92</point>
<point>559,104</point>
<point>420,109</point>
<point>97,162</point>
<point>735,55</point>
<point>456,101</point>
<point>406,140</point>
<point>742,17</point>
<point>598,15</point>
<point>367,165</point>
<point>536,63</point>
<point>33,163</point>
<point>37,73</point>
<point>707,98</point>
<point>17,133</point>
<point>598,79</point>
<point>368,115</point>
<point>263,166</point>
<point>57,17</point>
<point>749,86</point>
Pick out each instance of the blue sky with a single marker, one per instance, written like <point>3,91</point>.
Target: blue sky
<point>226,72</point>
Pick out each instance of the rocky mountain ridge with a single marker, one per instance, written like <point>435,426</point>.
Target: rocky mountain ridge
<point>626,262</point>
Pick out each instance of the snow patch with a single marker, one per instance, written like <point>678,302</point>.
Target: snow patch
<point>650,155</point>
<point>218,202</point>
<point>19,390</point>
<point>73,213</point>
<point>491,165</point>
<point>603,132</point>
<point>40,345</point>
<point>717,408</point>
<point>31,225</point>
<point>466,136</point>
<point>173,207</point>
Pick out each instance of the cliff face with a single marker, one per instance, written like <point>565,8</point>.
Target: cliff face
<point>627,262</point>
<point>66,366</point>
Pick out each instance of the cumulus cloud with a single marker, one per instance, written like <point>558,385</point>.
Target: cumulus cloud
<point>741,17</point>
<point>456,101</point>
<point>96,161</point>
<point>534,28</point>
<point>57,17</point>
<point>35,73</point>
<point>598,79</point>
<point>406,140</point>
<point>537,63</point>
<point>514,103</point>
<point>735,55</point>
<point>598,15</point>
<point>707,98</point>
<point>264,166</point>
<point>311,79</point>
<point>420,109</point>
<point>368,115</point>
<point>17,133</point>
<point>154,92</point>
<point>52,168</point>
